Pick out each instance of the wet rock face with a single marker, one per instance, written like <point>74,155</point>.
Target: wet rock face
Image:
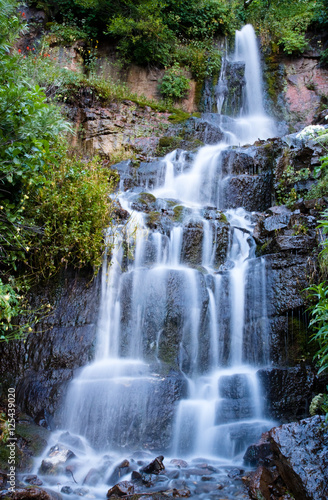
<point>250,192</point>
<point>288,392</point>
<point>232,88</point>
<point>60,343</point>
<point>288,242</point>
<point>203,130</point>
<point>192,241</point>
<point>301,451</point>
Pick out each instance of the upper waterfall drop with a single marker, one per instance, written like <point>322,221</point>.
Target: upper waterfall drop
<point>250,122</point>
<point>246,50</point>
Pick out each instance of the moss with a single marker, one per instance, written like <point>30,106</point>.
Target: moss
<point>199,92</point>
<point>167,353</point>
<point>223,217</point>
<point>167,144</point>
<point>35,436</point>
<point>299,346</point>
<point>146,198</point>
<point>153,219</point>
<point>273,77</point>
<point>178,213</point>
<point>179,116</point>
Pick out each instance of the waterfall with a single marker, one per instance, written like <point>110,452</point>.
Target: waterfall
<point>182,328</point>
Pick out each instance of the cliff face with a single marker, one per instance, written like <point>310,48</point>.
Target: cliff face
<point>62,342</point>
<point>298,89</point>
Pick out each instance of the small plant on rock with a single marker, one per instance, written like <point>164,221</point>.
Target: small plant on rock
<point>174,85</point>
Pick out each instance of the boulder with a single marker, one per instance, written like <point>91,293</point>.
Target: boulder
<point>260,452</point>
<point>301,451</point>
<point>58,455</point>
<point>154,467</point>
<point>33,479</point>
<point>119,471</point>
<point>260,484</point>
<point>121,489</point>
<point>30,493</point>
<point>181,464</point>
<point>287,392</point>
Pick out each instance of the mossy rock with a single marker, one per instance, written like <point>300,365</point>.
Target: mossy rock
<point>152,219</point>
<point>167,353</point>
<point>178,213</point>
<point>146,198</point>
<point>179,116</point>
<point>167,144</point>
<point>223,217</point>
<point>31,442</point>
<point>35,436</point>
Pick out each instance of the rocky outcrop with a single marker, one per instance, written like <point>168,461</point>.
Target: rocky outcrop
<point>288,392</point>
<point>292,457</point>
<point>63,341</point>
<point>121,128</point>
<point>301,451</point>
<point>297,87</point>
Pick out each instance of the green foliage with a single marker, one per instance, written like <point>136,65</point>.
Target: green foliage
<point>174,84</point>
<point>66,34</point>
<point>282,23</point>
<point>192,19</point>
<point>319,311</point>
<point>319,405</point>
<point>320,136</point>
<point>149,32</point>
<point>73,207</point>
<point>143,37</point>
<point>285,190</point>
<point>319,322</point>
<point>200,57</point>
<point>53,208</point>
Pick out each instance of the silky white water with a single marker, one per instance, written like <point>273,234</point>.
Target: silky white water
<point>164,307</point>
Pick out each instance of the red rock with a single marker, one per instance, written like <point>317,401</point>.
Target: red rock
<point>121,489</point>
<point>259,484</point>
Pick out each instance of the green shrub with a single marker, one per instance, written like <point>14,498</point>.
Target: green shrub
<point>73,207</point>
<point>283,23</point>
<point>319,322</point>
<point>143,38</point>
<point>285,191</point>
<point>66,34</point>
<point>174,84</point>
<point>202,58</point>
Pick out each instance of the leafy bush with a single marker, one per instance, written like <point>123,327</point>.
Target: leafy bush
<point>283,23</point>
<point>53,208</point>
<point>174,84</point>
<point>202,58</point>
<point>319,405</point>
<point>66,34</point>
<point>192,19</point>
<point>285,192</point>
<point>144,38</point>
<point>319,322</point>
<point>73,207</point>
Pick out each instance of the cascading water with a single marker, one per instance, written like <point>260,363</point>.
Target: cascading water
<point>195,306</point>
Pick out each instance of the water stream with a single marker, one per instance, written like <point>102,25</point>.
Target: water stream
<point>182,329</point>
